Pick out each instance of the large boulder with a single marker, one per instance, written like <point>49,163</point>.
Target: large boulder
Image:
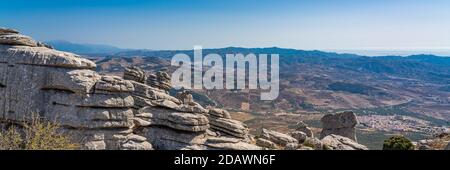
<point>299,135</point>
<point>277,137</point>
<point>336,142</point>
<point>266,143</point>
<point>342,124</point>
<point>303,127</point>
<point>220,113</point>
<point>314,143</point>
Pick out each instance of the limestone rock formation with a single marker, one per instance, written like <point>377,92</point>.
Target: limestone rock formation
<point>62,87</point>
<point>266,143</point>
<point>185,97</point>
<point>439,141</point>
<point>299,135</point>
<point>303,127</point>
<point>220,113</point>
<point>314,143</point>
<point>160,80</point>
<point>172,119</point>
<point>277,138</point>
<point>448,147</point>
<point>342,124</point>
<point>106,112</point>
<point>12,37</point>
<point>135,74</point>
<point>336,142</point>
<point>221,121</point>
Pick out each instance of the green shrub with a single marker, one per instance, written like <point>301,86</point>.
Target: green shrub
<point>398,143</point>
<point>10,139</point>
<point>36,135</point>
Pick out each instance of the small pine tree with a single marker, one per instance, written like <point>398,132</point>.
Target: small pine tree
<point>398,143</point>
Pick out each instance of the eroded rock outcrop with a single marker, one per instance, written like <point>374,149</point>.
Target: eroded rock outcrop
<point>436,142</point>
<point>277,137</point>
<point>12,37</point>
<point>62,87</point>
<point>342,124</point>
<point>336,142</point>
<point>303,127</point>
<point>160,80</point>
<point>106,112</point>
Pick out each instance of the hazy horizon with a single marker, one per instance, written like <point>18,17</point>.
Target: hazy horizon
<point>365,27</point>
<point>362,52</point>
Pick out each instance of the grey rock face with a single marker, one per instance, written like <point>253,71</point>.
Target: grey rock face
<point>61,87</point>
<point>342,124</point>
<point>448,147</point>
<point>336,142</point>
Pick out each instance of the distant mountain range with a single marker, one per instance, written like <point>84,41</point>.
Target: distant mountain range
<point>84,49</point>
<point>316,82</point>
<point>117,51</point>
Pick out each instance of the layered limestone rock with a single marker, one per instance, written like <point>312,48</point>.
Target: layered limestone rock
<point>106,112</point>
<point>299,135</point>
<point>266,143</point>
<point>185,97</point>
<point>314,143</point>
<point>221,121</point>
<point>12,37</point>
<point>342,124</point>
<point>277,138</point>
<point>179,122</point>
<point>336,142</point>
<point>176,120</point>
<point>135,74</point>
<point>298,140</point>
<point>62,87</point>
<point>171,124</point>
<point>160,80</point>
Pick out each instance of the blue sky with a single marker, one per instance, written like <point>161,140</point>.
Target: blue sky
<point>180,24</point>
